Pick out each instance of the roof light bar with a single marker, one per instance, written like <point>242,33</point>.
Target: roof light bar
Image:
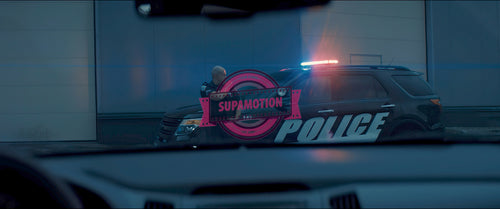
<point>319,62</point>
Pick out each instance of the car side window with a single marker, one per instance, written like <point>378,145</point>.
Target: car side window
<point>315,89</point>
<point>414,85</point>
<point>355,87</point>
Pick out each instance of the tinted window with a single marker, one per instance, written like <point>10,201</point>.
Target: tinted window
<point>353,87</point>
<point>414,85</point>
<point>315,89</point>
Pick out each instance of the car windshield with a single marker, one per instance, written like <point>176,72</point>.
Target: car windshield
<point>100,75</point>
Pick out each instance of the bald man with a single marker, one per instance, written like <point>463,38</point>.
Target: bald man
<point>218,75</point>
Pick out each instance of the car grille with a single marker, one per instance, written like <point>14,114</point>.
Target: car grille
<point>349,200</point>
<point>168,125</point>
<point>157,205</point>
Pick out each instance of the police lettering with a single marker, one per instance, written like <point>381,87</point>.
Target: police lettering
<point>357,129</point>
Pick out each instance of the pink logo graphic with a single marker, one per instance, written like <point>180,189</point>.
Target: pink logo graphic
<point>249,105</point>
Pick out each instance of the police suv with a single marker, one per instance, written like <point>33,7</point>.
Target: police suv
<point>338,104</point>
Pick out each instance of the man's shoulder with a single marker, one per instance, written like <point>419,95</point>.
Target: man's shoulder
<point>204,86</point>
<point>208,86</point>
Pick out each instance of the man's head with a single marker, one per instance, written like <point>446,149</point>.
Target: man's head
<point>218,74</point>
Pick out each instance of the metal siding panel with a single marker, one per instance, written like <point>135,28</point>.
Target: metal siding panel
<point>46,70</point>
<point>465,52</point>
<point>394,30</point>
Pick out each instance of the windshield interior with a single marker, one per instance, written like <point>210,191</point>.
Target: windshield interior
<point>82,75</point>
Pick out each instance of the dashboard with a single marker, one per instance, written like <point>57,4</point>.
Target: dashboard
<point>366,176</point>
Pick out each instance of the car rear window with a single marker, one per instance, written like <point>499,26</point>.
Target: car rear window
<point>414,85</point>
<point>354,87</point>
<point>323,88</point>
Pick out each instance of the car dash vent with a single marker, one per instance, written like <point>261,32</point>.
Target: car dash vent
<point>157,205</point>
<point>348,201</point>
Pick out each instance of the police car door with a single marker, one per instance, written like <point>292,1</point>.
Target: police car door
<point>315,106</point>
<point>337,108</point>
<point>360,106</point>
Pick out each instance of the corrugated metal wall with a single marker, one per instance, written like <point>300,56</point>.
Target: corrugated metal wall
<point>366,32</point>
<point>152,65</point>
<point>464,51</point>
<point>157,64</point>
<point>46,71</point>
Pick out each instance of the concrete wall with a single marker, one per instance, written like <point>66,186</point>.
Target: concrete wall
<point>46,71</point>
<point>464,51</point>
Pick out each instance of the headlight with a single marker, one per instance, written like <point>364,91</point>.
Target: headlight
<point>187,126</point>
